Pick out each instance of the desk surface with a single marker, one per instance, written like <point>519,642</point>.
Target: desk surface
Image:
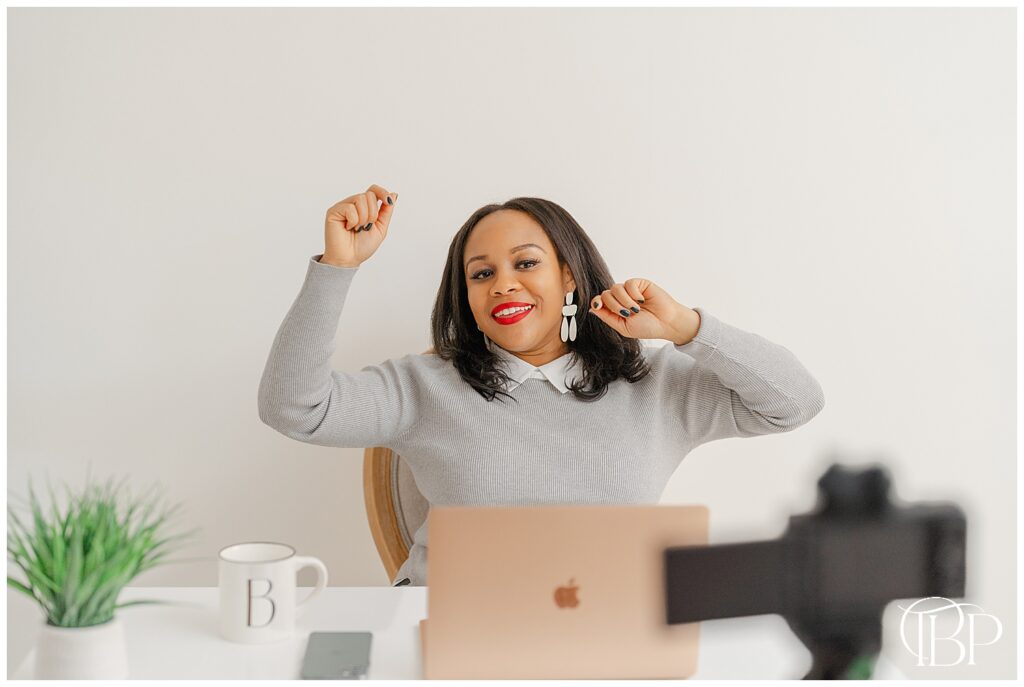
<point>183,641</point>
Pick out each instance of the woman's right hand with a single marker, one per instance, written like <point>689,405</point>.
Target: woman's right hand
<point>355,227</point>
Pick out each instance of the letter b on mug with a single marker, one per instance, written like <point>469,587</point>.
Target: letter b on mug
<point>258,591</point>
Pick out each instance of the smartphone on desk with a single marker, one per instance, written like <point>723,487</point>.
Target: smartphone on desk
<point>337,656</point>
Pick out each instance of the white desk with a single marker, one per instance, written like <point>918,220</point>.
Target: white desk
<point>183,641</point>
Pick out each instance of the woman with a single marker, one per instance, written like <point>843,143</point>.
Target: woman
<point>594,417</point>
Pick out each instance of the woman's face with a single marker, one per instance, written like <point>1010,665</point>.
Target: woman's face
<point>509,259</point>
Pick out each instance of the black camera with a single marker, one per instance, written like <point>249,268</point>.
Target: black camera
<point>832,572</point>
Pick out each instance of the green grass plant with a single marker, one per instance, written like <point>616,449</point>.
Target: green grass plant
<point>75,562</point>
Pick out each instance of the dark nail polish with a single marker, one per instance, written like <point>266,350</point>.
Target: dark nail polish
<point>639,300</point>
<point>625,313</point>
<point>634,309</point>
<point>390,202</point>
<point>367,227</point>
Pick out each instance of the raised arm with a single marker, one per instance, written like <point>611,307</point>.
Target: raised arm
<point>303,398</point>
<point>740,384</point>
<point>300,395</point>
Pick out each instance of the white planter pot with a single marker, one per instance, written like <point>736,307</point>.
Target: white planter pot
<point>82,653</point>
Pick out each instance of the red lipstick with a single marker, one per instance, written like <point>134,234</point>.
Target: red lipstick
<point>514,318</point>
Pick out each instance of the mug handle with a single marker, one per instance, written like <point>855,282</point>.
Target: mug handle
<point>321,575</point>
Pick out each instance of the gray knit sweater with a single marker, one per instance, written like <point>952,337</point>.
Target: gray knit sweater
<point>550,447</point>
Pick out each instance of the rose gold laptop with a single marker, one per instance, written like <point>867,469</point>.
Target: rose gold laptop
<point>556,592</point>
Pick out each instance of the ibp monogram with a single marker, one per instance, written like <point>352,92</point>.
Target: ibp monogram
<point>926,656</point>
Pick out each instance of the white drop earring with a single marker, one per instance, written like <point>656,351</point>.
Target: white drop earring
<point>568,331</point>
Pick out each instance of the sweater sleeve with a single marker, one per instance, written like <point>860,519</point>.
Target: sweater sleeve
<point>303,398</point>
<point>742,385</point>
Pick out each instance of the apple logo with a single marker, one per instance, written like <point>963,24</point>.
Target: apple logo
<point>565,597</point>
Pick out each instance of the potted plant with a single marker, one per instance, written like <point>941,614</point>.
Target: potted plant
<point>75,564</point>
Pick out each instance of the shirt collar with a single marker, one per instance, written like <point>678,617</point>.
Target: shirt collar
<point>519,370</point>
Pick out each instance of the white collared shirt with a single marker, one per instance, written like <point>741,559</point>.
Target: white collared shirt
<point>519,370</point>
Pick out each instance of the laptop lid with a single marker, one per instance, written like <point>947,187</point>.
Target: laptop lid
<point>556,592</point>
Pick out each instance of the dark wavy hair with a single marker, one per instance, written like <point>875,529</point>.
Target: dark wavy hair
<point>602,353</point>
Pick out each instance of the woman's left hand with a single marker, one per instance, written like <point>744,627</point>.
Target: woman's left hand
<point>653,314</point>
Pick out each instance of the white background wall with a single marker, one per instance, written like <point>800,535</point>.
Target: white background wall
<point>840,181</point>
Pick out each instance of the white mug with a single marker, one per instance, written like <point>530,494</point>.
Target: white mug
<point>258,590</point>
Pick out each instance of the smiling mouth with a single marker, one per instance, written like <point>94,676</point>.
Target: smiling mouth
<point>514,317</point>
